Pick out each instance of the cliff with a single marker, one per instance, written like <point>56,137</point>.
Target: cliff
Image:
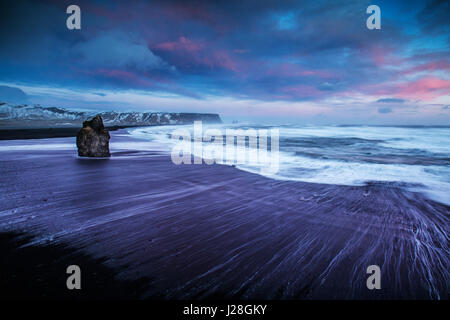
<point>36,116</point>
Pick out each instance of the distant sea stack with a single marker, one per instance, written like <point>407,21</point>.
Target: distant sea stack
<point>93,139</point>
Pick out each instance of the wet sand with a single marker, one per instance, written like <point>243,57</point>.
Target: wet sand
<point>45,133</point>
<point>35,272</point>
<point>199,232</point>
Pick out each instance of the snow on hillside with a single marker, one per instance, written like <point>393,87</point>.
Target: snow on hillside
<point>36,115</point>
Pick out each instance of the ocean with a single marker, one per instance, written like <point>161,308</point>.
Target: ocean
<point>343,199</point>
<point>413,157</point>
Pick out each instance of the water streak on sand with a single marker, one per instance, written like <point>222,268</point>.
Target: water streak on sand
<point>214,231</point>
<point>415,157</point>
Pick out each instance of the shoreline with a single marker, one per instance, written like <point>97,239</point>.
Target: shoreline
<point>44,133</point>
<point>202,232</point>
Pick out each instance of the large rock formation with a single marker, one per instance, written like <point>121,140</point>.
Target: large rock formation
<point>93,139</point>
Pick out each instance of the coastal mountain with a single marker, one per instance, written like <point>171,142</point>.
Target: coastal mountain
<point>36,116</point>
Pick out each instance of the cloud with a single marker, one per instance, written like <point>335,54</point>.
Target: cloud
<point>196,56</point>
<point>118,50</point>
<point>286,21</point>
<point>182,44</point>
<point>326,86</point>
<point>391,100</point>
<point>267,51</point>
<point>435,16</point>
<point>425,88</point>
<point>13,95</point>
<point>384,110</point>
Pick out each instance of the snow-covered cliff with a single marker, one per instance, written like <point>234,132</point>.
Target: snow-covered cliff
<point>24,116</point>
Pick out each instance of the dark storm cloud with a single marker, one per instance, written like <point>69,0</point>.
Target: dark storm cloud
<point>268,50</point>
<point>435,16</point>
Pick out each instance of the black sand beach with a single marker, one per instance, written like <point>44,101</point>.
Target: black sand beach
<point>34,272</point>
<point>45,133</point>
<point>142,227</point>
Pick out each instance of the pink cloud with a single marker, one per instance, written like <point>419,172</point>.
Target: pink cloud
<point>222,59</point>
<point>123,75</point>
<point>198,53</point>
<point>423,89</point>
<point>381,56</point>
<point>182,44</point>
<point>430,66</point>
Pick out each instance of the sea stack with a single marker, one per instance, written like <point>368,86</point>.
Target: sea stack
<point>93,139</point>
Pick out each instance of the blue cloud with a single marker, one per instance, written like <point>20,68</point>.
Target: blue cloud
<point>13,95</point>
<point>391,100</point>
<point>118,50</point>
<point>384,110</point>
<point>272,50</point>
<point>286,21</point>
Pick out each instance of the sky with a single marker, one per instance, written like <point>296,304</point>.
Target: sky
<point>312,62</point>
